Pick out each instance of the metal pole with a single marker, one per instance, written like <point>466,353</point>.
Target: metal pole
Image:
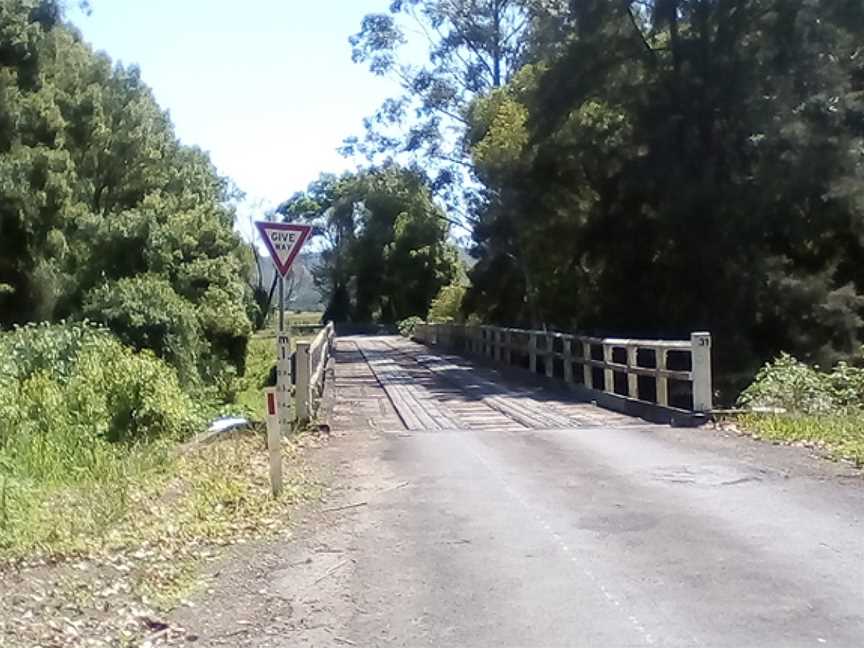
<point>281,304</point>
<point>283,365</point>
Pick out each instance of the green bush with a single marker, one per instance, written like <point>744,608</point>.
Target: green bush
<point>821,409</point>
<point>796,387</point>
<point>407,325</point>
<point>146,313</point>
<point>70,392</point>
<point>447,305</point>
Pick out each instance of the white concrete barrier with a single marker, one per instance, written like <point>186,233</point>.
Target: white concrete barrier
<point>311,361</point>
<point>507,345</point>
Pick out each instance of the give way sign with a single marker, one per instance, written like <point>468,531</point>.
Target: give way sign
<point>284,241</point>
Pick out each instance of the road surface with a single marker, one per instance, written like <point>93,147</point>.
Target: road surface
<point>477,512</point>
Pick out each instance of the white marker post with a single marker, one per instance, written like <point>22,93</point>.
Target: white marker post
<point>274,441</point>
<point>702,390</point>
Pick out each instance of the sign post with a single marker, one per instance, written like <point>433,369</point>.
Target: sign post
<point>283,241</point>
<point>281,304</point>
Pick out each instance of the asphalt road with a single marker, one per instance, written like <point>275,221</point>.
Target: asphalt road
<point>602,538</point>
<point>610,533</point>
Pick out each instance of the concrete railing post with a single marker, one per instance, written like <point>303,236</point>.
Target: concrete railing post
<point>662,381</point>
<point>549,362</point>
<point>587,369</point>
<point>632,377</point>
<point>532,352</point>
<point>608,374</point>
<point>303,393</point>
<point>568,359</point>
<point>701,354</point>
<point>508,344</point>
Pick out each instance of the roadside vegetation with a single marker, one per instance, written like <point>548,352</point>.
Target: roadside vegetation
<point>643,169</point>
<point>89,435</point>
<point>126,326</point>
<point>70,577</point>
<point>793,402</point>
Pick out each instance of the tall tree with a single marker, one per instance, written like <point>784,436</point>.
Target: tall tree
<point>101,207</point>
<point>471,47</point>
<point>385,253</point>
<point>701,160</point>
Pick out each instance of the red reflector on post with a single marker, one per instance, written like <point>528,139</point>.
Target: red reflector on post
<point>271,403</point>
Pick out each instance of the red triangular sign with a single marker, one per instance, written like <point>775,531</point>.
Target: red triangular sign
<point>284,241</point>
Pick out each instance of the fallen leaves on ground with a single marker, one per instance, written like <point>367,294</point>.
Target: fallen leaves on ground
<point>116,592</point>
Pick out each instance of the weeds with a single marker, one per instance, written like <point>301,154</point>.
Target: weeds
<point>820,409</point>
<point>841,436</point>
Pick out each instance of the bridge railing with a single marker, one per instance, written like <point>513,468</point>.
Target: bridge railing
<point>312,360</point>
<point>671,373</point>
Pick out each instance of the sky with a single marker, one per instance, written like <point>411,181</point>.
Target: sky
<point>267,87</point>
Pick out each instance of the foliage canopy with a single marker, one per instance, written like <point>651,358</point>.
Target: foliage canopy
<point>386,253</point>
<point>103,210</point>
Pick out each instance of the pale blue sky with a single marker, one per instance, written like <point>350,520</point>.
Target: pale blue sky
<point>266,86</point>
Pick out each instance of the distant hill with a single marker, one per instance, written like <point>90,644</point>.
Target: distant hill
<point>305,295</point>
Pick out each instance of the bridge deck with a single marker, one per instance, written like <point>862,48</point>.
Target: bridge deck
<point>427,390</point>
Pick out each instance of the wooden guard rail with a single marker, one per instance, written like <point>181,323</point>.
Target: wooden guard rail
<point>312,360</point>
<point>582,359</point>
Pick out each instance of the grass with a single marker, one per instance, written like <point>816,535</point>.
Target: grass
<point>260,360</point>
<point>211,494</point>
<point>73,512</point>
<point>297,318</point>
<point>840,436</point>
<point>293,318</point>
<point>151,554</point>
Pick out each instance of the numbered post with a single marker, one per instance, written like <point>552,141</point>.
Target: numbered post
<point>700,349</point>
<point>274,440</point>
<point>283,381</point>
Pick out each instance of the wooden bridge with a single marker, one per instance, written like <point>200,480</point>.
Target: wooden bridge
<point>511,379</point>
<point>461,377</point>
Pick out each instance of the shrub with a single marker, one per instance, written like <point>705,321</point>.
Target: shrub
<point>796,387</point>
<point>407,325</point>
<point>447,305</point>
<point>70,392</point>
<point>146,313</point>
